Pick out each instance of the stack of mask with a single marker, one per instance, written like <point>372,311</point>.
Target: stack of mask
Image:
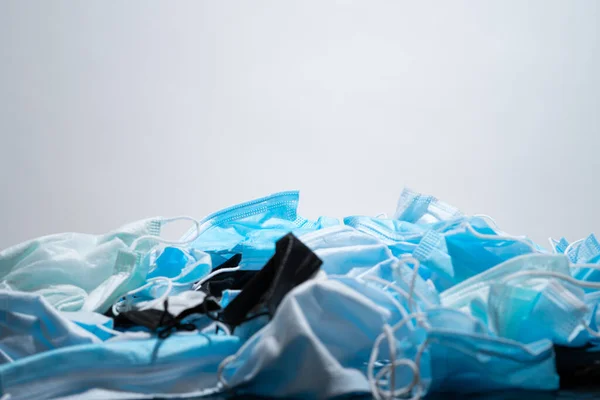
<point>257,300</point>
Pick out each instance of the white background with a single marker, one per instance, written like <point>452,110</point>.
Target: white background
<point>115,111</point>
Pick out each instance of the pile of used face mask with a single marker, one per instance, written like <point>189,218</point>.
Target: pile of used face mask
<point>258,300</point>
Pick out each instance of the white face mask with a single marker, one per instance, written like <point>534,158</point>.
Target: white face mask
<point>64,266</point>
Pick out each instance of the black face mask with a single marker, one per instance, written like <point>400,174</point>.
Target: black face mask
<point>292,264</point>
<point>162,321</point>
<point>577,366</point>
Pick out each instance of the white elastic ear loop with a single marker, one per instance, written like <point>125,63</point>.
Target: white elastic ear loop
<point>552,246</point>
<point>158,239</point>
<point>221,368</point>
<point>413,281</point>
<point>212,274</point>
<point>485,216</point>
<point>499,237</point>
<point>373,383</point>
<point>570,246</point>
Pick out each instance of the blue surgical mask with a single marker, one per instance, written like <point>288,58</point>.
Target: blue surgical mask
<point>476,247</point>
<point>584,251</point>
<point>252,228</point>
<point>105,266</point>
<point>30,325</point>
<point>478,286</point>
<point>450,351</point>
<point>585,254</point>
<point>539,309</point>
<point>182,364</point>
<point>432,253</point>
<point>345,250</point>
<point>423,209</point>
<point>389,231</point>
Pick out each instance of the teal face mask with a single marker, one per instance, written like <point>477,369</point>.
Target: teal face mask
<point>477,288</point>
<point>539,309</point>
<point>64,266</point>
<point>253,227</point>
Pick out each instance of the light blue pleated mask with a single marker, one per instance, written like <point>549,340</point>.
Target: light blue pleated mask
<point>423,209</point>
<point>181,364</point>
<point>345,250</point>
<point>475,247</point>
<point>538,309</point>
<point>81,271</point>
<point>253,227</point>
<point>449,351</point>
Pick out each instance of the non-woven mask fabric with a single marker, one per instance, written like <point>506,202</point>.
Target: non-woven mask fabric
<point>179,365</point>
<point>30,325</point>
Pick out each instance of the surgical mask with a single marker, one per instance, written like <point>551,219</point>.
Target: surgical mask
<point>423,209</point>
<point>105,266</point>
<point>559,246</point>
<point>585,254</point>
<point>449,351</point>
<point>345,250</point>
<point>584,251</point>
<point>538,309</point>
<point>562,307</point>
<point>477,288</point>
<point>389,231</point>
<point>400,277</point>
<point>182,364</point>
<point>30,325</point>
<point>475,247</point>
<point>432,253</point>
<point>253,227</point>
<point>307,328</point>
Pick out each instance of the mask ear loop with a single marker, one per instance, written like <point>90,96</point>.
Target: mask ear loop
<point>485,216</point>
<point>570,246</point>
<point>373,379</point>
<point>499,237</point>
<point>552,246</point>
<point>213,274</point>
<point>165,221</point>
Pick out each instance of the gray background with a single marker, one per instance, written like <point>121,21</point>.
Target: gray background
<point>115,111</point>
